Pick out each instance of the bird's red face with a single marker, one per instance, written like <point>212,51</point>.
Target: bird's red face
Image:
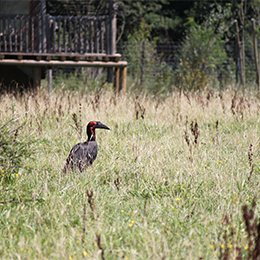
<point>92,127</point>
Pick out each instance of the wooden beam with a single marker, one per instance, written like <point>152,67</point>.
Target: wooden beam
<point>52,63</point>
<point>117,81</point>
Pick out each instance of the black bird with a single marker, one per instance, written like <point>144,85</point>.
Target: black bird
<point>82,155</point>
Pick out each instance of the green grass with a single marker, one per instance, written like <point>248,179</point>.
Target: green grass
<point>154,196</point>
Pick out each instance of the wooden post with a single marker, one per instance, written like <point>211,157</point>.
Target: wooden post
<point>239,65</point>
<point>256,56</point>
<point>123,72</point>
<point>50,80</point>
<point>120,80</point>
<point>117,81</point>
<point>36,77</point>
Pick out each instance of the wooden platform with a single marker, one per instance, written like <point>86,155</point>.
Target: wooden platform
<point>31,44</point>
<point>120,68</point>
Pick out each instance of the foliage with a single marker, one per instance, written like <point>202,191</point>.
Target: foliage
<point>202,51</point>
<point>14,151</point>
<point>82,80</point>
<point>145,67</point>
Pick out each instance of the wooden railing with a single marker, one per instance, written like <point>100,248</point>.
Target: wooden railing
<point>77,35</point>
<point>55,34</point>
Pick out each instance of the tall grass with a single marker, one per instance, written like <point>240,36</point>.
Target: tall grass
<point>169,182</point>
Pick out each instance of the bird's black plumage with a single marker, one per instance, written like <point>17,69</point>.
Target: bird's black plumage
<point>82,155</point>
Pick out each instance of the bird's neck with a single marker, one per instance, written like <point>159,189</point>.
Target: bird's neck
<point>91,137</point>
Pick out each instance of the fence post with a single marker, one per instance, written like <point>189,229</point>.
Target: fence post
<point>239,65</point>
<point>256,56</point>
<point>112,35</point>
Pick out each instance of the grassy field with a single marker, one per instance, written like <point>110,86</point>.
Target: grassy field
<point>170,180</point>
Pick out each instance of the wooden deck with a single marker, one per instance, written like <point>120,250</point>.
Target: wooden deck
<point>41,41</point>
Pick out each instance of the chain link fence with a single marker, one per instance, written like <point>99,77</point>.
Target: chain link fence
<point>156,67</point>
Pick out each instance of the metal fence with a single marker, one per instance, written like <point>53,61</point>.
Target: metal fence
<point>157,67</point>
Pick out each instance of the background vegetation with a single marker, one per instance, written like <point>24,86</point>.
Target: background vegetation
<point>185,44</point>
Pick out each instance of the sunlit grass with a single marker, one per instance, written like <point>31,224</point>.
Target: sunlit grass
<point>154,195</point>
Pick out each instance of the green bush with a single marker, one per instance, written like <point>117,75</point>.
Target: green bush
<point>14,151</point>
<point>202,52</point>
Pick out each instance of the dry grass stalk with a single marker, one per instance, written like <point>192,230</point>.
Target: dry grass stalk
<point>217,132</point>
<point>26,104</point>
<point>84,223</point>
<point>39,124</point>
<point>117,183</point>
<point>233,105</point>
<point>69,103</point>
<point>187,139</point>
<point>250,158</point>
<point>98,239</point>
<point>37,105</point>
<point>222,103</point>
<point>139,110</point>
<point>46,103</point>
<point>188,98</point>
<point>186,136</point>
<point>195,131</point>
<point>209,97</point>
<point>80,120</point>
<point>96,100</point>
<point>224,250</point>
<point>91,204</point>
<point>253,231</point>
<point>145,206</point>
<point>77,124</point>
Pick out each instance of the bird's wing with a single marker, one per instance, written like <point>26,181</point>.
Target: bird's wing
<point>89,150</point>
<point>82,155</point>
<point>74,150</point>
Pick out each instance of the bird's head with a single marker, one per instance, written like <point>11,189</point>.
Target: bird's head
<point>91,129</point>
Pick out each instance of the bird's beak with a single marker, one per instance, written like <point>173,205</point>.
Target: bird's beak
<point>102,126</point>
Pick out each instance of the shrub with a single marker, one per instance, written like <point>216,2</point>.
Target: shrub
<point>202,51</point>
<point>14,151</point>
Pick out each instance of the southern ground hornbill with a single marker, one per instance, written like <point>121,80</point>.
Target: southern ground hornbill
<point>83,155</point>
